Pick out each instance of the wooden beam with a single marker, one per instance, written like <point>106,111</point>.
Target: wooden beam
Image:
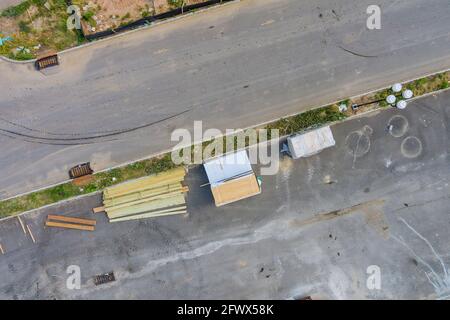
<point>143,194</point>
<point>69,226</point>
<point>98,209</point>
<point>176,208</point>
<point>147,206</point>
<point>148,215</point>
<point>108,194</point>
<point>22,225</point>
<point>31,234</point>
<point>159,179</point>
<point>146,200</point>
<point>74,220</point>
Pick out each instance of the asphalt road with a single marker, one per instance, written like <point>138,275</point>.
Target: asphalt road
<point>377,198</point>
<point>6,3</point>
<point>231,67</point>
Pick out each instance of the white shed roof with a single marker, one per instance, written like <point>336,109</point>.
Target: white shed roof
<point>227,167</point>
<point>310,143</point>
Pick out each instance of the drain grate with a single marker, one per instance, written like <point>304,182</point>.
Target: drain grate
<point>80,170</point>
<point>104,278</point>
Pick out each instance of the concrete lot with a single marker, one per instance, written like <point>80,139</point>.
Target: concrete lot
<point>377,198</point>
<point>234,66</point>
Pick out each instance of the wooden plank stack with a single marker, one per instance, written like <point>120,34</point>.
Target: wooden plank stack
<point>158,195</point>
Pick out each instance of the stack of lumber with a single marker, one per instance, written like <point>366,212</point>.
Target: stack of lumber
<point>70,223</point>
<point>158,195</point>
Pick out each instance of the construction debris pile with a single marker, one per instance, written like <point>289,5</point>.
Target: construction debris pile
<point>158,195</point>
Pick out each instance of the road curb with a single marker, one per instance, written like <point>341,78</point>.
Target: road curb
<point>8,60</point>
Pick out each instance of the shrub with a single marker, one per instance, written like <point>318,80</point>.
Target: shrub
<point>24,27</point>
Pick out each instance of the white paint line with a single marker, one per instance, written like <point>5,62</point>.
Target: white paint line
<point>429,245</point>
<point>1,249</point>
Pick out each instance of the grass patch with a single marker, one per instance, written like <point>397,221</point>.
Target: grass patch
<point>176,3</point>
<point>307,120</point>
<point>24,27</point>
<point>429,84</point>
<point>33,26</point>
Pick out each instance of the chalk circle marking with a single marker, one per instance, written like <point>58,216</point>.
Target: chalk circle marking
<point>398,125</point>
<point>358,142</point>
<point>411,147</point>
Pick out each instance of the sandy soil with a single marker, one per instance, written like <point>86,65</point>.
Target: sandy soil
<point>112,13</point>
<point>162,6</point>
<point>8,27</point>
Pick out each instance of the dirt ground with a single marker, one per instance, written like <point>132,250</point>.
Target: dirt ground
<point>8,26</point>
<point>162,6</point>
<point>101,15</point>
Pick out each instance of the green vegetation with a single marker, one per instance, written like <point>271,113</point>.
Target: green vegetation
<point>33,26</point>
<point>23,56</point>
<point>307,120</point>
<point>88,17</point>
<point>175,3</point>
<point>24,27</point>
<point>429,84</point>
<point>382,95</point>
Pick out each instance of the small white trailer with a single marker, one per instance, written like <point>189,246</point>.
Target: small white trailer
<point>231,178</point>
<point>310,143</point>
